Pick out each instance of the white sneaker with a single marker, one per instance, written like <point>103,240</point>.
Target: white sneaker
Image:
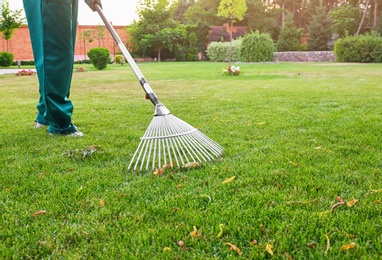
<point>39,125</point>
<point>76,134</point>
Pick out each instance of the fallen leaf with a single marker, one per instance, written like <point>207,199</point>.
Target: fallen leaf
<point>221,231</point>
<point>261,123</point>
<point>38,213</point>
<point>340,203</point>
<point>351,203</point>
<point>195,233</point>
<point>288,256</point>
<point>229,180</point>
<point>323,213</point>
<point>327,244</point>
<point>312,245</point>
<point>181,243</point>
<point>253,242</point>
<point>379,190</point>
<point>348,246</point>
<point>158,171</point>
<point>269,248</point>
<point>192,165</point>
<point>166,249</point>
<point>101,203</point>
<point>234,248</point>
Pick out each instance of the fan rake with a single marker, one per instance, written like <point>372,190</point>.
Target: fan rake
<point>168,142</point>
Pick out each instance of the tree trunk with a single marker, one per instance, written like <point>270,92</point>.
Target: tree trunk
<point>375,14</point>
<point>363,18</point>
<point>230,45</point>
<point>283,14</point>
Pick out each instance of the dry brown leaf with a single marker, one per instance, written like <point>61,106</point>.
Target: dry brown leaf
<point>101,203</point>
<point>348,246</point>
<point>269,248</point>
<point>229,180</point>
<point>234,248</point>
<point>195,233</point>
<point>351,203</point>
<point>340,203</point>
<point>253,242</point>
<point>38,213</point>
<point>287,256</point>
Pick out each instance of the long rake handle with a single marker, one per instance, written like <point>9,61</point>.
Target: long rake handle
<point>145,85</point>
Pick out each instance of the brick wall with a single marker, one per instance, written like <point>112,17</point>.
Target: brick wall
<point>21,48</point>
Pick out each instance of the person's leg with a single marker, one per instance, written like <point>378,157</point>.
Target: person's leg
<point>59,22</point>
<point>52,25</point>
<point>33,13</point>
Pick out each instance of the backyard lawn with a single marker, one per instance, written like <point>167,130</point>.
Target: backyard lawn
<point>301,175</point>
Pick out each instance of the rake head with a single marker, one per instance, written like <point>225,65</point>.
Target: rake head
<point>174,143</point>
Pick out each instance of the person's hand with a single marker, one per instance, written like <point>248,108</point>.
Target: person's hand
<point>92,3</point>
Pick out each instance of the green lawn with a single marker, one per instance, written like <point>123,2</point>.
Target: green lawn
<point>298,137</point>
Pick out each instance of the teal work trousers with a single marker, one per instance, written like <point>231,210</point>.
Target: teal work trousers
<point>52,26</point>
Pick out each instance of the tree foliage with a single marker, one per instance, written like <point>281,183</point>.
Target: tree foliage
<point>320,31</point>
<point>345,19</point>
<point>290,37</point>
<point>10,20</point>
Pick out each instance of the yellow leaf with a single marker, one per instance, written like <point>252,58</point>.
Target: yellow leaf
<point>323,213</point>
<point>327,244</point>
<point>221,231</point>
<point>101,203</point>
<point>261,123</point>
<point>234,248</point>
<point>195,233</point>
<point>166,249</point>
<point>38,213</point>
<point>229,180</point>
<point>379,190</point>
<point>352,202</point>
<point>192,165</point>
<point>348,246</point>
<point>269,248</point>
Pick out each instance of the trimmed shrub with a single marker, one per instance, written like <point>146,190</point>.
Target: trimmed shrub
<point>118,59</point>
<point>99,57</point>
<point>362,48</point>
<point>219,51</point>
<point>257,47</point>
<point>6,59</point>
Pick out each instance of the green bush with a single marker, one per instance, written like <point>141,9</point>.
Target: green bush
<point>257,47</point>
<point>219,51</point>
<point>118,59</point>
<point>362,48</point>
<point>6,59</point>
<point>99,57</point>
